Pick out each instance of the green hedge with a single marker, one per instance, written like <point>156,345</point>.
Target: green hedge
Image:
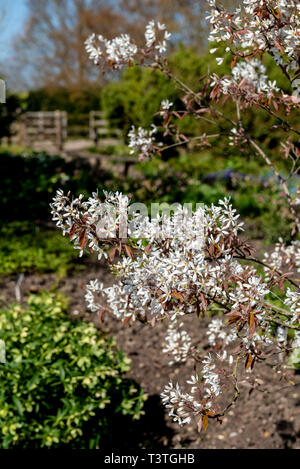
<point>72,101</point>
<point>8,114</point>
<point>29,182</point>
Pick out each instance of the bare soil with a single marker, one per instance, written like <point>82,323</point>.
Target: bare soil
<point>268,418</point>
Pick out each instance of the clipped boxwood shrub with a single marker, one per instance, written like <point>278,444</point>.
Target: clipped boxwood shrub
<point>62,382</point>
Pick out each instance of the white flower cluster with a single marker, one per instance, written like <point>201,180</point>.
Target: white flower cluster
<point>190,258</point>
<point>251,292</point>
<point>282,333</point>
<point>283,255</point>
<point>255,74</point>
<point>211,377</point>
<point>251,75</point>
<point>142,142</point>
<point>156,282</point>
<point>183,263</point>
<point>296,341</point>
<point>176,277</point>
<point>156,36</point>
<point>178,343</point>
<point>260,340</point>
<point>182,406</point>
<point>266,25</point>
<point>203,392</point>
<point>292,300</point>
<point>286,257</point>
<point>91,223</point>
<point>118,51</point>
<point>218,333</point>
<point>93,288</point>
<point>121,51</point>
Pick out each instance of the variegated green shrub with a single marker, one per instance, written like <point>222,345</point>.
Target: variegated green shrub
<point>62,381</point>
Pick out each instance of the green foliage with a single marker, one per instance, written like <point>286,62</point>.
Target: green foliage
<point>77,103</point>
<point>27,248</point>
<point>29,182</point>
<point>2,352</point>
<point>113,150</point>
<point>136,98</point>
<point>184,179</point>
<point>62,382</point>
<point>8,114</point>
<point>190,67</point>
<point>71,101</point>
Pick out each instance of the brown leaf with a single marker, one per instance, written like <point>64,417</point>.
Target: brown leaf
<point>112,254</point>
<point>204,302</point>
<point>72,230</point>
<point>278,46</point>
<point>129,251</point>
<point>126,320</point>
<point>83,239</point>
<point>202,110</point>
<point>177,295</point>
<point>147,248</point>
<point>233,62</point>
<point>233,314</point>
<point>252,324</point>
<point>233,320</point>
<point>248,361</point>
<point>204,422</point>
<point>215,92</point>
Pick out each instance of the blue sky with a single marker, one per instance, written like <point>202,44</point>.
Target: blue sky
<point>14,19</point>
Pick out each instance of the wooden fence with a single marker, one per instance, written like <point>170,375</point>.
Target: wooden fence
<point>35,126</point>
<point>54,126</point>
<point>99,128</point>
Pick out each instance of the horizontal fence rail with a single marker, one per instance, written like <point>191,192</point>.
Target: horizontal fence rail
<point>57,127</point>
<point>44,126</point>
<point>99,127</point>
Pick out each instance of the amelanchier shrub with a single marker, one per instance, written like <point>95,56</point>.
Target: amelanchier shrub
<point>62,382</point>
<point>197,262</point>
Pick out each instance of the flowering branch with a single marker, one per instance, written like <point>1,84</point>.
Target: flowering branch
<point>195,262</point>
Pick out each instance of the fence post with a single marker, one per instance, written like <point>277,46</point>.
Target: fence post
<point>65,126</point>
<point>23,131</point>
<point>59,130</point>
<point>93,128</point>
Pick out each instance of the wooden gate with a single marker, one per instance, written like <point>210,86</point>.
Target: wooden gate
<point>38,126</point>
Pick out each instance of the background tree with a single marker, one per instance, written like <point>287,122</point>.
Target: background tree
<point>50,50</point>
